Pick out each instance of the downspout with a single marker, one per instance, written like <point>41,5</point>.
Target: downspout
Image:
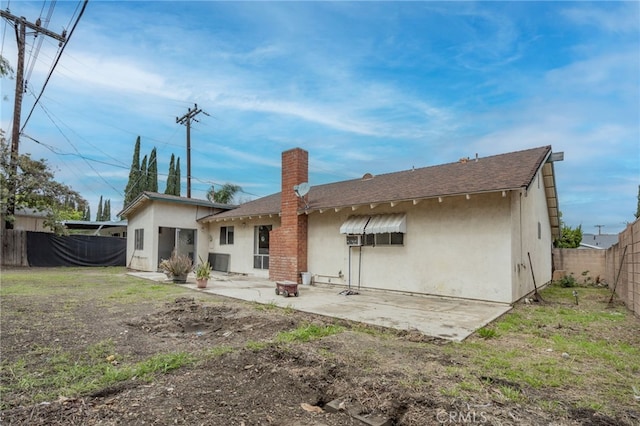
<point>359,267</point>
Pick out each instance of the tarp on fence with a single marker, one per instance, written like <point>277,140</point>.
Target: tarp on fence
<point>46,249</point>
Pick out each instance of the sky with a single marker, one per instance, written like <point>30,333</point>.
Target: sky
<point>364,87</point>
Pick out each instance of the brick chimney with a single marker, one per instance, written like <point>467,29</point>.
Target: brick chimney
<point>288,243</point>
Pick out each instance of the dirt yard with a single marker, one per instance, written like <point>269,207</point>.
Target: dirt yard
<point>96,347</point>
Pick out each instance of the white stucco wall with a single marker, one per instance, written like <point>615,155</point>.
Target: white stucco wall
<point>156,214</point>
<point>530,208</point>
<point>241,251</point>
<point>140,259</point>
<point>457,248</point>
<point>30,223</point>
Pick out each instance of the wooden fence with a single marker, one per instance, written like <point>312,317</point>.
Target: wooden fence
<point>14,248</point>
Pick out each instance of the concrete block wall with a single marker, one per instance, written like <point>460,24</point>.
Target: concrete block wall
<point>623,267</point>
<point>586,265</point>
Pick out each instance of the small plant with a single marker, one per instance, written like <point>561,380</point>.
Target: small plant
<point>568,281</point>
<point>203,270</point>
<point>177,266</point>
<point>487,333</point>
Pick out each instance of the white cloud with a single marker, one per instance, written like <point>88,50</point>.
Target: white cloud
<point>617,17</point>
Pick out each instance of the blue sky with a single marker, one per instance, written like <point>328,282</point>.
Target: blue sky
<point>363,86</point>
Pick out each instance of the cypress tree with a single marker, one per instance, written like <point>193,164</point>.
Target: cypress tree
<point>132,190</point>
<point>170,176</point>
<point>152,172</point>
<point>87,214</point>
<point>99,214</point>
<point>177,178</point>
<point>143,176</point>
<point>106,212</point>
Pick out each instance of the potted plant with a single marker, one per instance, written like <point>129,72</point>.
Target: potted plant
<point>177,267</point>
<point>203,273</point>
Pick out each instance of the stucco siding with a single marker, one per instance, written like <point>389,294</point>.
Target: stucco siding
<point>159,214</point>
<point>141,259</point>
<point>242,250</point>
<point>457,248</point>
<point>531,236</point>
<point>30,223</point>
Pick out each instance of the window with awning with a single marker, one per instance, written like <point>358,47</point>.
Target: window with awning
<point>382,229</point>
<point>375,224</point>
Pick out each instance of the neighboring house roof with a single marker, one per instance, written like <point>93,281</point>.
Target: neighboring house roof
<point>146,196</point>
<point>29,212</point>
<point>87,224</point>
<point>602,241</point>
<point>502,172</point>
<point>589,246</point>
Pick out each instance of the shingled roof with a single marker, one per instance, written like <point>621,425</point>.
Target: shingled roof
<point>502,172</point>
<point>147,196</point>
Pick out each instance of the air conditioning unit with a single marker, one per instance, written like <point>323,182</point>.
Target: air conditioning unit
<point>354,240</point>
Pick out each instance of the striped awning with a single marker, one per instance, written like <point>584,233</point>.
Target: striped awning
<point>355,225</point>
<point>376,224</point>
<point>383,223</point>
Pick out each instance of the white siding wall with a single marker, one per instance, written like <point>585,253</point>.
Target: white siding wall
<point>241,251</point>
<point>529,209</point>
<point>457,248</point>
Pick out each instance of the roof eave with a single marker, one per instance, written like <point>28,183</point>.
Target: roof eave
<point>414,200</point>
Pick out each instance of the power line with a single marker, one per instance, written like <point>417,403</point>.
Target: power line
<point>78,152</point>
<point>20,25</point>
<point>84,6</point>
<point>71,154</point>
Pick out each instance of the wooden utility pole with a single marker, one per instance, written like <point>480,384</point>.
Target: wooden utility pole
<point>186,120</point>
<point>599,228</point>
<point>21,25</point>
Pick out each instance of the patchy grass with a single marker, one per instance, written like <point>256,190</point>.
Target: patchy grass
<point>308,332</point>
<point>551,356</point>
<point>72,373</point>
<point>589,350</point>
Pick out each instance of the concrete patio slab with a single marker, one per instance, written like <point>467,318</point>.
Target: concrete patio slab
<point>446,318</point>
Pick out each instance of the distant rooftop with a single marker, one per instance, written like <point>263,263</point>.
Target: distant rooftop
<point>603,241</point>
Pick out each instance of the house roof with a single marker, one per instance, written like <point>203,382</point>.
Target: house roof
<point>147,196</point>
<point>87,224</point>
<point>602,241</point>
<point>502,172</point>
<point>29,212</point>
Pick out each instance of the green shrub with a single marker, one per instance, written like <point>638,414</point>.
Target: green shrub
<point>568,281</point>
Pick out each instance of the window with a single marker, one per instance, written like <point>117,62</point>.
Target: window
<point>384,239</point>
<point>139,237</point>
<point>226,235</point>
<point>378,230</point>
<point>261,247</point>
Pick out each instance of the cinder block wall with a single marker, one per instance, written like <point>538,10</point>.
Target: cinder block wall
<point>288,243</point>
<point>583,264</point>
<point>623,267</point>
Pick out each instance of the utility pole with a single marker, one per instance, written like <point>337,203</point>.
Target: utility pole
<point>186,120</point>
<point>599,228</point>
<point>21,25</point>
